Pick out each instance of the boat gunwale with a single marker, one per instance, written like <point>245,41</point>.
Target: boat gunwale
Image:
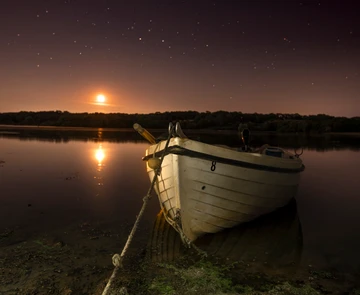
<point>181,151</point>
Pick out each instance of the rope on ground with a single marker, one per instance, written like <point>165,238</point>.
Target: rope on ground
<point>117,259</point>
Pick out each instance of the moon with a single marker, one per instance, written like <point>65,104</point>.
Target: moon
<point>100,98</point>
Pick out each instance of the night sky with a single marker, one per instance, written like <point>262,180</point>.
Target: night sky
<point>172,55</point>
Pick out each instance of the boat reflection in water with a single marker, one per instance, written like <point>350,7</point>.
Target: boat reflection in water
<point>273,240</point>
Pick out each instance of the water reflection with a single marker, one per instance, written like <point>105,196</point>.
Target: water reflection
<point>321,142</point>
<point>99,156</point>
<point>60,135</point>
<point>63,187</point>
<point>274,240</point>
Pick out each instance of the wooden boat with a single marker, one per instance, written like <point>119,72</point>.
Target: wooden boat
<point>274,240</point>
<point>205,188</point>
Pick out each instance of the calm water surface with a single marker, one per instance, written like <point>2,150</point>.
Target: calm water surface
<point>49,182</point>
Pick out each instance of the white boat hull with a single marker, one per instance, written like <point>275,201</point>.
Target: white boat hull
<point>212,188</point>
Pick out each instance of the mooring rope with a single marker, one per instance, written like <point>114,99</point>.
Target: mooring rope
<point>186,241</point>
<point>117,259</point>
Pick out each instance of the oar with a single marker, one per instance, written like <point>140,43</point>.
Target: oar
<point>144,133</point>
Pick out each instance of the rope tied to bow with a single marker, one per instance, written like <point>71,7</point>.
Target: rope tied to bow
<point>118,259</point>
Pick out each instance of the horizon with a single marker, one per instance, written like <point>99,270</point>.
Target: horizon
<point>149,113</point>
<point>156,56</point>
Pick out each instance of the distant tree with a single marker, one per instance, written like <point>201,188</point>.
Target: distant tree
<point>189,119</point>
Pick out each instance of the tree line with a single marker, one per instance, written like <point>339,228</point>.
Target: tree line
<point>222,120</point>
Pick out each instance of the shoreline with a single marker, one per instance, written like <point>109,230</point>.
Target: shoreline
<point>4,130</point>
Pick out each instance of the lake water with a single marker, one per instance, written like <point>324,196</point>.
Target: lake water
<point>69,184</point>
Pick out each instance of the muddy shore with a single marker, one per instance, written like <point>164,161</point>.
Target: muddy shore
<point>77,260</point>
